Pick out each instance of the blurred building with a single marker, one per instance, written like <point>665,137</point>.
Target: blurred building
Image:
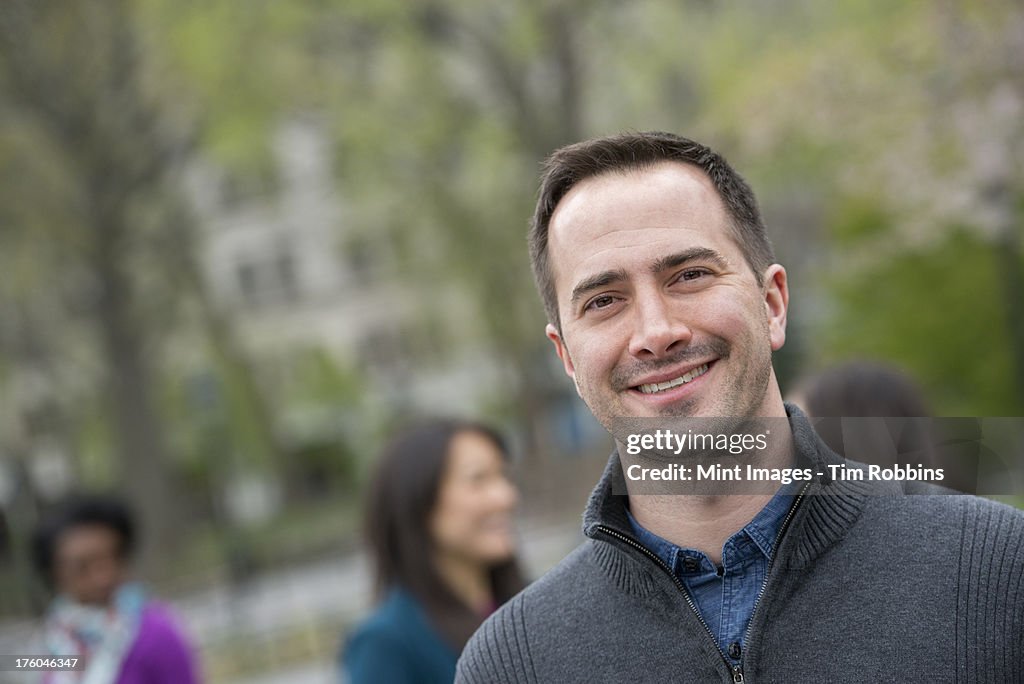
<point>298,275</point>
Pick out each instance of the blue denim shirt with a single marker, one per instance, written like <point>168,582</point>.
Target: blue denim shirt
<point>726,596</point>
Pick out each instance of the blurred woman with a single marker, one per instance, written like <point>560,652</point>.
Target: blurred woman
<point>98,614</point>
<point>439,524</point>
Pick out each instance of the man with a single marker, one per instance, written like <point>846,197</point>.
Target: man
<point>663,300</point>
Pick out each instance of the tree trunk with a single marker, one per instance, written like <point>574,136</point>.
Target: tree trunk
<point>141,454</point>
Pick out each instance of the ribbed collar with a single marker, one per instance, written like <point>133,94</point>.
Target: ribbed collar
<point>829,509</point>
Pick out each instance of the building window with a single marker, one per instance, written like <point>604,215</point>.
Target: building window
<point>269,280</point>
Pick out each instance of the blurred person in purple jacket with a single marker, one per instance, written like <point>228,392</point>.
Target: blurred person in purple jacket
<point>123,635</point>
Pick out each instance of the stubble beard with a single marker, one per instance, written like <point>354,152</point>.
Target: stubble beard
<point>742,398</point>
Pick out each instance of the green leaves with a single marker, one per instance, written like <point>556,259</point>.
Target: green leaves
<point>940,313</point>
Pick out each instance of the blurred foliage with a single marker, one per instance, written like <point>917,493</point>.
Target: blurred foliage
<point>859,123</point>
<point>939,313</point>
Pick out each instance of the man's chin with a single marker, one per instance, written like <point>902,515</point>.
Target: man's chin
<point>626,412</point>
<point>682,408</point>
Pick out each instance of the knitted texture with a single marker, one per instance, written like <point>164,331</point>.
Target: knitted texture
<point>870,584</point>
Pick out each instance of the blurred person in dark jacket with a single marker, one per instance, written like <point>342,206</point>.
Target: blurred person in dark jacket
<point>861,388</point>
<point>439,526</point>
<point>99,614</point>
<point>845,398</point>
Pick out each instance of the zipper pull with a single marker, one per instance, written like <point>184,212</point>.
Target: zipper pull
<point>737,675</point>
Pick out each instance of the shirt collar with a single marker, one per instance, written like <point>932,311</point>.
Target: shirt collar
<point>831,506</point>
<point>763,530</point>
<point>765,527</point>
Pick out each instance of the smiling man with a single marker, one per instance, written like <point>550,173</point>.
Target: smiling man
<point>655,289</point>
<point>664,301</point>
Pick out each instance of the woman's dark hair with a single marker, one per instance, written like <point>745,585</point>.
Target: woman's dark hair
<point>869,389</point>
<point>864,389</point>
<point>402,495</point>
<point>81,511</point>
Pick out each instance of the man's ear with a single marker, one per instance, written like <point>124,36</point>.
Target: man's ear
<point>776,304</point>
<point>563,353</point>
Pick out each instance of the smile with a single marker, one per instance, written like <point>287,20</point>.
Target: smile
<point>654,388</point>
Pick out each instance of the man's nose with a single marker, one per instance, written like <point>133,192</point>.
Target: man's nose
<point>657,331</point>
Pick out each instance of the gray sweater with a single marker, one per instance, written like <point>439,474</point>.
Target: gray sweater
<point>868,584</point>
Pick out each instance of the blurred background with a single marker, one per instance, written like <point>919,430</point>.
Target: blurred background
<point>242,241</point>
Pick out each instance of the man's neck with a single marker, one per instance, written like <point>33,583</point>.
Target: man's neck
<point>703,521</point>
<point>697,521</point>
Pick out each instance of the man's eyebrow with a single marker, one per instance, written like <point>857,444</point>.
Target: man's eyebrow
<point>686,256</point>
<point>595,281</point>
<point>664,263</point>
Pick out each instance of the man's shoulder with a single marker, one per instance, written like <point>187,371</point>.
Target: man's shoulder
<point>948,505</point>
<point>971,504</point>
<point>933,516</point>
<point>506,645</point>
<point>589,598</point>
<point>593,573</point>
<point>563,583</point>
<point>981,516</point>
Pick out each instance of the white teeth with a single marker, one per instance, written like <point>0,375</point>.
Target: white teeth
<point>681,380</point>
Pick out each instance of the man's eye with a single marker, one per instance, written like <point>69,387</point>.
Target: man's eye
<point>600,302</point>
<point>692,274</point>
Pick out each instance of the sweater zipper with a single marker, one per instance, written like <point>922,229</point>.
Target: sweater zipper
<point>768,573</point>
<point>736,670</point>
<point>771,561</point>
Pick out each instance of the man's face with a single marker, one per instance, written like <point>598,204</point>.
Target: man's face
<point>661,315</point>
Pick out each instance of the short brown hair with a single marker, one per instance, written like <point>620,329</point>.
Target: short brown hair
<point>571,164</point>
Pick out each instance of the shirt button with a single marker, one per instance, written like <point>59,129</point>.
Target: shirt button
<point>720,570</point>
<point>735,651</point>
